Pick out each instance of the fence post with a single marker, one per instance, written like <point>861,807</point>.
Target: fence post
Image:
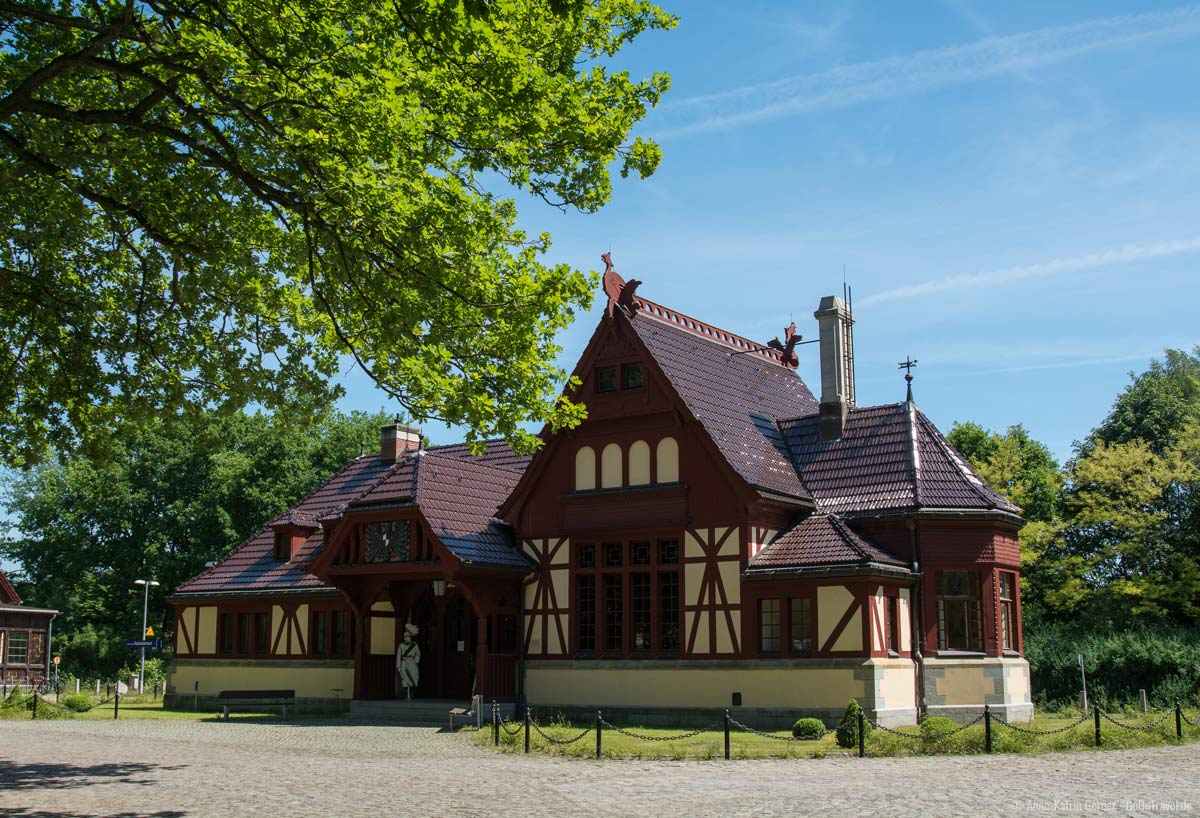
<point>862,752</point>
<point>1178,721</point>
<point>35,700</point>
<point>987,728</point>
<point>599,733</point>
<point>726,735</point>
<point>1096,713</point>
<point>527,709</point>
<point>116,701</point>
<point>495,724</point>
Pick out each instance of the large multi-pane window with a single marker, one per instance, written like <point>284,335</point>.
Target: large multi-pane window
<point>1008,611</point>
<point>329,634</point>
<point>18,647</point>
<point>893,625</point>
<point>959,614</point>
<point>627,599</point>
<point>770,628</point>
<point>801,626</point>
<point>244,634</point>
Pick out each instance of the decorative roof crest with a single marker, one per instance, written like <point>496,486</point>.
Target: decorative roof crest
<point>619,292</point>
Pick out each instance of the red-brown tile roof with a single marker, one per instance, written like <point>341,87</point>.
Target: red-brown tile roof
<point>889,458</point>
<point>820,540</point>
<point>736,398</point>
<point>8,594</point>
<point>458,493</point>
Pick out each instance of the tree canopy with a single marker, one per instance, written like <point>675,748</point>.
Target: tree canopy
<point>216,203</point>
<point>161,505</point>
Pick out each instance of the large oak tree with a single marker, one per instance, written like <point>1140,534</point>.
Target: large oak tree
<point>215,202</point>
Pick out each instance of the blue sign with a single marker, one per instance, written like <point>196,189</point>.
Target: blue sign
<point>144,643</point>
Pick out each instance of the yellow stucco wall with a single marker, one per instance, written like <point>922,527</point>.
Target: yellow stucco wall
<point>829,687</point>
<point>206,639</point>
<point>310,679</point>
<point>897,683</point>
<point>960,682</point>
<point>383,635</point>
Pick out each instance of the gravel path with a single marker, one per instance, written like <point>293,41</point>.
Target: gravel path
<point>173,769</point>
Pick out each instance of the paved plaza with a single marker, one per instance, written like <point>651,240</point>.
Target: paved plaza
<point>178,769</point>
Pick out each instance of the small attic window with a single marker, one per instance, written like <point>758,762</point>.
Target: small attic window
<point>283,546</point>
<point>606,379</point>
<point>633,376</point>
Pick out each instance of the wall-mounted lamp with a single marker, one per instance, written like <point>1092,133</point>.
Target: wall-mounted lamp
<point>439,587</point>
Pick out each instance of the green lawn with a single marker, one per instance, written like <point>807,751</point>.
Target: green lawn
<point>131,707</point>
<point>709,745</point>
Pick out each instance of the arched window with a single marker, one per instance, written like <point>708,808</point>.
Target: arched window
<point>585,469</point>
<point>668,460</point>
<point>639,464</point>
<point>610,467</point>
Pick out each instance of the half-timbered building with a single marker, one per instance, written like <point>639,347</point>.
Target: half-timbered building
<point>713,535</point>
<point>24,639</point>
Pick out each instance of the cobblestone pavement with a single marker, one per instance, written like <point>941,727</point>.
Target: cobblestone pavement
<point>180,769</point>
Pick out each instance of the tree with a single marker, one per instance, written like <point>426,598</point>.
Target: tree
<point>1014,464</point>
<point>162,505</point>
<point>215,203</point>
<point>1157,405</point>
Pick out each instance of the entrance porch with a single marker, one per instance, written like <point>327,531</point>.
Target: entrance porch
<point>467,632</point>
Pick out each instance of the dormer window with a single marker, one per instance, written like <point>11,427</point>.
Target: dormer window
<point>283,546</point>
<point>606,379</point>
<point>633,376</point>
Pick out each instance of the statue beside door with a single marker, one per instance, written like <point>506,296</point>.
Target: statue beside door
<point>408,661</point>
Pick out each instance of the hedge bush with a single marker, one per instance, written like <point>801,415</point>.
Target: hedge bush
<point>77,702</point>
<point>1165,662</point>
<point>808,728</point>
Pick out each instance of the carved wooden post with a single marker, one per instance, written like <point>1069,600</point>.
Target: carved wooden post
<point>482,683</point>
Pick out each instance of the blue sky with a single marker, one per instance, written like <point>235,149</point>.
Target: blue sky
<point>1011,188</point>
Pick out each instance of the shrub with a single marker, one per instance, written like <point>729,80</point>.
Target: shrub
<point>936,725</point>
<point>77,702</point>
<point>847,729</point>
<point>808,728</point>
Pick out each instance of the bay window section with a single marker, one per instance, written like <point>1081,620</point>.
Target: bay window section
<point>959,612</point>
<point>1008,611</point>
<point>614,613</point>
<point>627,598</point>
<point>639,592</point>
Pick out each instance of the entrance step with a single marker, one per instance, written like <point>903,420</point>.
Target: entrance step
<point>419,712</point>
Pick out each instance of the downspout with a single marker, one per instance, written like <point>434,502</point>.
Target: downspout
<point>918,634</point>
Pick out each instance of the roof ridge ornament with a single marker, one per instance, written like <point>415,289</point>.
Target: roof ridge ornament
<point>619,292</point>
<point>908,363</point>
<point>788,347</point>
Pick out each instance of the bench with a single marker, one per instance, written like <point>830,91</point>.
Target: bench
<point>463,713</point>
<point>255,699</point>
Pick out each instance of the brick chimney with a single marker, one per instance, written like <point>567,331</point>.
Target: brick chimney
<point>396,440</point>
<point>837,364</point>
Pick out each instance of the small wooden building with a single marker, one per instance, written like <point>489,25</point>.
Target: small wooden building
<point>713,535</point>
<point>24,639</point>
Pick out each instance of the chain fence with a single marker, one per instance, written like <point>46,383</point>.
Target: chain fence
<point>858,729</point>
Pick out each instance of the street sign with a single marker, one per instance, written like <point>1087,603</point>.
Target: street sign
<point>143,643</point>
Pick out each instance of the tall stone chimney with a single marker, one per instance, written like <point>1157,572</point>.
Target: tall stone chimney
<point>396,440</point>
<point>837,364</point>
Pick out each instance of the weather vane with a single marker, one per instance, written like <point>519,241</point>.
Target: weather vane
<point>908,363</point>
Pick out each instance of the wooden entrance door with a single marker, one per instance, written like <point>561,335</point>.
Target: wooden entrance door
<point>461,638</point>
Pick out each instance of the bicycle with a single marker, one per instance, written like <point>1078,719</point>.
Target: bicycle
<point>50,684</point>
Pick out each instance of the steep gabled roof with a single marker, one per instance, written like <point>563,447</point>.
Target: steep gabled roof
<point>475,536</point>
<point>734,391</point>
<point>8,594</point>
<point>889,458</point>
<point>821,540</point>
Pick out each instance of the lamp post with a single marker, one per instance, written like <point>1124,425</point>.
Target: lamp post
<point>146,586</point>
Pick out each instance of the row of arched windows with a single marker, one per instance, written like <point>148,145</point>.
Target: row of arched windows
<point>612,472</point>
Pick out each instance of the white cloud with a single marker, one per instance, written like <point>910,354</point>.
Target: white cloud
<point>1045,269</point>
<point>913,73</point>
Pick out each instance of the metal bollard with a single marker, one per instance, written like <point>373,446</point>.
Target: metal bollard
<point>1096,713</point>
<point>527,730</point>
<point>1178,720</point>
<point>495,724</point>
<point>599,734</point>
<point>35,701</point>
<point>116,702</point>
<point>726,735</point>
<point>987,728</point>
<point>862,751</point>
